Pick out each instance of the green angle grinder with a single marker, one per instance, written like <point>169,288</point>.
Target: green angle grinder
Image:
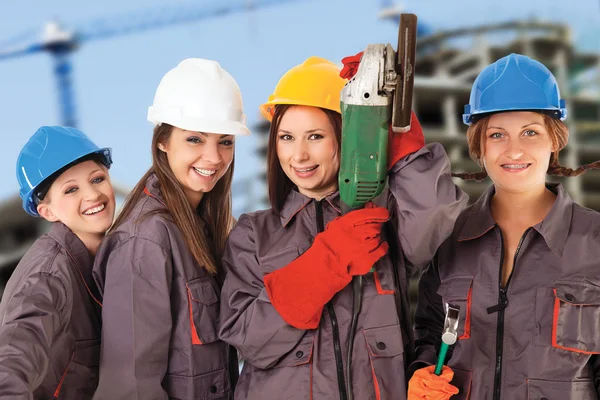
<point>379,94</point>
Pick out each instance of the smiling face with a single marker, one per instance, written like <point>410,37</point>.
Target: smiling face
<point>517,150</point>
<point>198,160</point>
<point>307,150</point>
<point>82,198</point>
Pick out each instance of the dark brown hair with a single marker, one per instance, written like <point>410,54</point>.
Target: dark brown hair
<point>559,135</point>
<point>279,184</point>
<point>215,207</point>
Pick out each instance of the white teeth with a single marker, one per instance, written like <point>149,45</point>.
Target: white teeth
<point>515,166</point>
<point>306,170</point>
<point>205,172</point>
<point>94,210</point>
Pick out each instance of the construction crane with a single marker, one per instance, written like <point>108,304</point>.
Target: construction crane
<point>390,11</point>
<point>61,43</point>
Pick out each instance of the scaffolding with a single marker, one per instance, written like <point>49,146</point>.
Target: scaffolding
<point>448,62</point>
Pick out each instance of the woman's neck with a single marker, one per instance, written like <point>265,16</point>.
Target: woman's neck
<point>91,241</point>
<point>528,208</point>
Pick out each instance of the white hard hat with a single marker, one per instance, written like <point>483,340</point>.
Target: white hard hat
<point>198,95</point>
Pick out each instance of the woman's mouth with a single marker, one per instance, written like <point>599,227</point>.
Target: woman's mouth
<point>305,172</point>
<point>205,173</point>
<point>515,167</point>
<point>95,209</point>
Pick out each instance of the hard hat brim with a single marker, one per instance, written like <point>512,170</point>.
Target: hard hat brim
<point>201,125</point>
<point>267,109</point>
<point>560,114</point>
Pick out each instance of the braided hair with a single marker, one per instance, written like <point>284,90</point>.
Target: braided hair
<point>559,134</point>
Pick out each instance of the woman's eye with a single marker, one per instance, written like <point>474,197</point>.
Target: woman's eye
<point>496,135</point>
<point>315,136</point>
<point>530,133</point>
<point>285,137</point>
<point>98,180</point>
<point>227,143</point>
<point>194,140</point>
<point>70,190</point>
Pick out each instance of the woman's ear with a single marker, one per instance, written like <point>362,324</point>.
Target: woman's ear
<point>45,212</point>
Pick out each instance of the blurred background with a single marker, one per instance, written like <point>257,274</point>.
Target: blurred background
<point>96,66</point>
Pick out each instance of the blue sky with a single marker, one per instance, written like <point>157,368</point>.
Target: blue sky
<point>115,79</point>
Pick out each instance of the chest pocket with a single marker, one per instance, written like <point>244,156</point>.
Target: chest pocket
<point>204,310</point>
<point>277,259</point>
<point>575,317</point>
<point>458,291</point>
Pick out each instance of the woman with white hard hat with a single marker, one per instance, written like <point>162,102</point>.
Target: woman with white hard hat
<point>159,269</point>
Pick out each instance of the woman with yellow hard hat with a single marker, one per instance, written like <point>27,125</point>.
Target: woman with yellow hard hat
<point>287,302</point>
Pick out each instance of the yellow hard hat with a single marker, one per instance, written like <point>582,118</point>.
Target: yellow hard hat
<point>316,82</point>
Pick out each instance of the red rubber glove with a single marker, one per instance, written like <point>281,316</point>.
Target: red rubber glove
<point>350,245</point>
<point>402,144</point>
<point>350,65</point>
<point>425,385</point>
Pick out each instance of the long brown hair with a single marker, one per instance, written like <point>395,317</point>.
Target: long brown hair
<point>215,207</point>
<point>559,135</point>
<point>279,184</point>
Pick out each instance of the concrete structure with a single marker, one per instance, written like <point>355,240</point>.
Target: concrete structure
<point>448,62</point>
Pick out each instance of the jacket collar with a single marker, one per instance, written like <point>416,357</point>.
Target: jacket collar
<point>72,244</point>
<point>79,254</point>
<point>554,228</point>
<point>153,190</point>
<point>296,201</point>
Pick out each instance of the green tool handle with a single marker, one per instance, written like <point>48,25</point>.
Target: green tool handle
<point>441,359</point>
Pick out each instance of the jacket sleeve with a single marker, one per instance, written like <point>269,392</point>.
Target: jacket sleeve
<point>429,320</point>
<point>33,316</point>
<point>249,321</point>
<point>136,321</point>
<point>427,202</point>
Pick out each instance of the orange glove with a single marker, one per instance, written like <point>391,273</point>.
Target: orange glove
<point>350,65</point>
<point>425,385</point>
<point>350,245</point>
<point>402,144</point>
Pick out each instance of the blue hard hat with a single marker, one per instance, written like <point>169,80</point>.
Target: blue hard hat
<point>48,151</point>
<point>515,82</point>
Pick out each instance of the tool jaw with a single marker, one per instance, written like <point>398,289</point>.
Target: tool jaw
<point>375,79</point>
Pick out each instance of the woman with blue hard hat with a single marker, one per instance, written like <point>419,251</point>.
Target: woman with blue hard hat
<point>159,269</point>
<point>522,263</point>
<point>50,312</point>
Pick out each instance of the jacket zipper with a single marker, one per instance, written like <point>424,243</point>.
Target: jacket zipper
<point>500,307</point>
<point>337,347</point>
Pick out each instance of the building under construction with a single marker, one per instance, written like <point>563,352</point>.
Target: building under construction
<point>447,64</point>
